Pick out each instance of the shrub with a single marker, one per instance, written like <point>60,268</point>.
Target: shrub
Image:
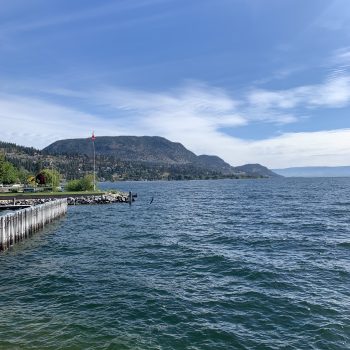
<point>84,184</point>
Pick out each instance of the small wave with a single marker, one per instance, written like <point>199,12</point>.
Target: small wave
<point>344,245</point>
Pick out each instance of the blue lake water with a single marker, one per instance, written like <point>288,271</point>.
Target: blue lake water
<point>229,264</point>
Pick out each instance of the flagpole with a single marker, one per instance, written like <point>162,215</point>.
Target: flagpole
<point>93,146</point>
<point>93,143</point>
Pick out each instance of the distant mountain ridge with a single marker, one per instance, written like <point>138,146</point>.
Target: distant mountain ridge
<point>316,171</point>
<point>257,169</point>
<point>151,149</point>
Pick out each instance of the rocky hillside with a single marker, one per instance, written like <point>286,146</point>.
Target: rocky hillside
<point>148,149</point>
<point>257,169</point>
<point>145,148</point>
<point>214,162</point>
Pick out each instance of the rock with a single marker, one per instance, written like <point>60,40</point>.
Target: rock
<point>107,198</point>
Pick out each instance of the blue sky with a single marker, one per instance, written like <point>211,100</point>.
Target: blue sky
<point>263,81</point>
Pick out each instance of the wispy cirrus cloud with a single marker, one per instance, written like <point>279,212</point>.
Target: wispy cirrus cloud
<point>341,58</point>
<point>192,114</point>
<point>198,100</point>
<point>88,13</point>
<point>36,122</point>
<point>334,92</point>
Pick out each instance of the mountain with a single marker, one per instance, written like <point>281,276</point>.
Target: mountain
<point>153,150</point>
<point>148,149</point>
<point>257,169</point>
<point>317,171</point>
<point>127,158</point>
<point>214,162</point>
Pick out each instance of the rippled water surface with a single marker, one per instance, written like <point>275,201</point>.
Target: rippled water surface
<point>247,264</point>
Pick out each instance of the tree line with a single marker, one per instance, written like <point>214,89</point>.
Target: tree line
<point>10,174</point>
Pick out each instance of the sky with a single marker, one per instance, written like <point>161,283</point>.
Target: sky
<point>252,81</point>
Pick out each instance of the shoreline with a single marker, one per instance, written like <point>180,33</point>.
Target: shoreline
<point>72,199</point>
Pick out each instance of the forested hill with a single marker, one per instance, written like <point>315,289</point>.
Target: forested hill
<point>125,158</point>
<point>257,169</point>
<point>146,149</point>
<point>8,147</point>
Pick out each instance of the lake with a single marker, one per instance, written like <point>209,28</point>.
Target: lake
<point>227,264</point>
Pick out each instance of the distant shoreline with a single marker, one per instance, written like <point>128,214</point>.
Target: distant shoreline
<point>315,171</point>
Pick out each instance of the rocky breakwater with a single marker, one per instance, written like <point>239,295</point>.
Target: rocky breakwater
<point>104,198</point>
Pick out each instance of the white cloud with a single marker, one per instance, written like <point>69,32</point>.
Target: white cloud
<point>334,92</point>
<point>341,56</point>
<point>322,148</point>
<point>194,115</point>
<point>34,122</point>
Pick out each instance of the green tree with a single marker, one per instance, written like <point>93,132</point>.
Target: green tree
<point>52,177</point>
<point>8,173</point>
<point>23,175</point>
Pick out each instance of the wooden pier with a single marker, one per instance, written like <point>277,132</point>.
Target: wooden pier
<point>14,207</point>
<point>22,223</point>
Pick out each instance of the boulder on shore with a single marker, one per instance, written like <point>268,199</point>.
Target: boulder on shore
<point>106,198</point>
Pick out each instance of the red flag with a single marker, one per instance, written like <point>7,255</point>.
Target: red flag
<point>93,137</point>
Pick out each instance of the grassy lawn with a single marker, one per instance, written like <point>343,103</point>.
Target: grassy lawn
<point>56,194</point>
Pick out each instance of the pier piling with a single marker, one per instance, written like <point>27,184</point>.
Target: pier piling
<point>21,224</point>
